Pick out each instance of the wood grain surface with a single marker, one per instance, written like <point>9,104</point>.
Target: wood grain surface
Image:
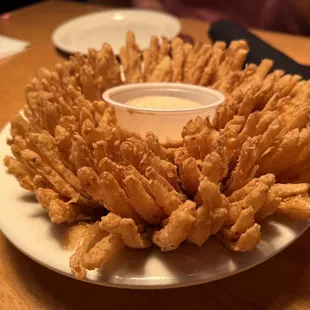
<point>283,282</point>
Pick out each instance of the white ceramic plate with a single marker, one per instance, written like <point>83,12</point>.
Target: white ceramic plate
<point>26,225</point>
<point>92,30</point>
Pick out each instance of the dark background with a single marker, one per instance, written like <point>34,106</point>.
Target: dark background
<point>6,6</point>
<point>9,5</point>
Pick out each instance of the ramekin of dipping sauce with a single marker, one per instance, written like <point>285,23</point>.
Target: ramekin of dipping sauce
<point>163,108</point>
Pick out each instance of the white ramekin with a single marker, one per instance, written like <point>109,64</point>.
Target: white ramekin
<point>166,124</point>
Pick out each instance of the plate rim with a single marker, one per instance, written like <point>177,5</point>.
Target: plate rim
<point>71,50</point>
<point>152,286</point>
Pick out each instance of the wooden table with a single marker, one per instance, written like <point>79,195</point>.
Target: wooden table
<point>282,282</point>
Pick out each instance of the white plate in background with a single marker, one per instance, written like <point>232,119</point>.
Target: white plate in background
<point>26,225</point>
<point>92,30</point>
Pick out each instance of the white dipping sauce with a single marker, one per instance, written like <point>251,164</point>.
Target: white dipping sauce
<point>162,102</point>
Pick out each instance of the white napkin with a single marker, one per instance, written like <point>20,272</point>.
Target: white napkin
<point>10,46</point>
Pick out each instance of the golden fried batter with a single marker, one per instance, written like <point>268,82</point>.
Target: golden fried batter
<point>296,207</point>
<point>177,229</point>
<point>247,241</point>
<point>252,160</point>
<point>131,59</point>
<point>143,203</point>
<point>211,215</point>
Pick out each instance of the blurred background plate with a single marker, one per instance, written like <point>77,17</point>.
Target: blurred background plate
<point>92,30</point>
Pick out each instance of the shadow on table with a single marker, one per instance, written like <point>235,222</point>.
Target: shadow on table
<point>63,54</point>
<point>274,284</point>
